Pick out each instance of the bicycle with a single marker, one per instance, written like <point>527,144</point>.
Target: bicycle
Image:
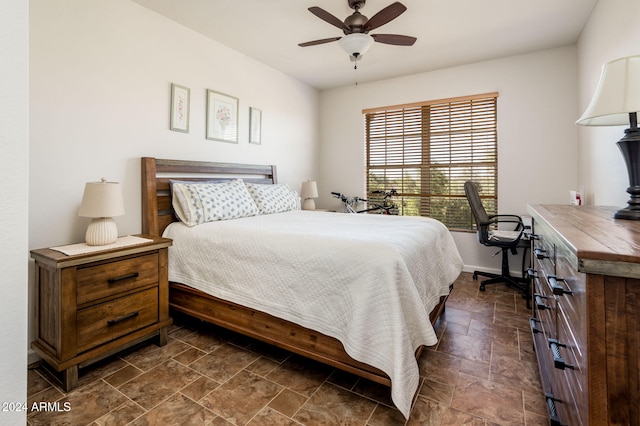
<point>350,203</point>
<point>386,207</point>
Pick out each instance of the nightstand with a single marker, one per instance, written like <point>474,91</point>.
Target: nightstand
<point>90,306</point>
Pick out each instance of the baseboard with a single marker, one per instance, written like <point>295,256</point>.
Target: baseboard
<point>32,357</point>
<point>471,268</point>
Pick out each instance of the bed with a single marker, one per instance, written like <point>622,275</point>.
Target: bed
<point>314,325</point>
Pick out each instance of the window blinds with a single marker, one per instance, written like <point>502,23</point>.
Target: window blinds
<point>426,151</point>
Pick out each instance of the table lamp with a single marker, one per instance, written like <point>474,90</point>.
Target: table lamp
<point>308,192</point>
<point>615,103</point>
<point>101,201</point>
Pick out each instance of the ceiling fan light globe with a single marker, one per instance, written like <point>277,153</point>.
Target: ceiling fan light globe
<point>356,44</point>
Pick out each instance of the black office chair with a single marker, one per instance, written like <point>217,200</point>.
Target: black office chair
<point>507,241</point>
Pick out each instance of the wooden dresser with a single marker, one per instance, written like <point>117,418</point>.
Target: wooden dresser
<point>90,306</point>
<point>586,314</point>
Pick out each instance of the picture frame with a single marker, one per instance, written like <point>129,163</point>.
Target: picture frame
<point>179,115</point>
<point>222,117</point>
<point>255,126</point>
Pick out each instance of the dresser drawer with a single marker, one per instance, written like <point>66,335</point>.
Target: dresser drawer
<point>545,312</point>
<point>566,407</point>
<point>544,304</point>
<point>573,301</point>
<point>554,381</point>
<point>115,318</point>
<point>108,279</point>
<point>558,359</point>
<point>574,372</point>
<point>544,252</point>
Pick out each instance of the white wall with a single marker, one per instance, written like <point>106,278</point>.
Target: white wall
<point>100,91</point>
<point>14,163</point>
<point>601,166</point>
<point>536,132</point>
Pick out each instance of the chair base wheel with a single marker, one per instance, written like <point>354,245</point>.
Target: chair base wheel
<point>475,276</point>
<point>482,288</point>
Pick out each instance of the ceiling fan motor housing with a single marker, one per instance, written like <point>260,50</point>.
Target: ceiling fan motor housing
<point>355,22</point>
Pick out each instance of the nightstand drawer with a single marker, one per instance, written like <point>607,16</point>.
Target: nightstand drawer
<point>110,320</point>
<point>107,279</point>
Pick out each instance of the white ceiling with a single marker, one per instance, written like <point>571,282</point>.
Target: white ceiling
<point>449,32</point>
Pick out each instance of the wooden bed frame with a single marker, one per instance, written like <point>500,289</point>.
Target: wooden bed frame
<point>157,214</point>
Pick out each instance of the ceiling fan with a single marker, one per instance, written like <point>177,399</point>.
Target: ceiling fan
<point>356,27</point>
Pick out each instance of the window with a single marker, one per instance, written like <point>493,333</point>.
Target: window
<point>427,150</point>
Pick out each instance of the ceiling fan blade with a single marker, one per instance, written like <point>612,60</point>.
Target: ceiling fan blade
<point>387,14</point>
<point>395,39</point>
<point>327,17</point>
<point>314,42</point>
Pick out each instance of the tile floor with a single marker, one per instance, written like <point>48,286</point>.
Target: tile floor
<point>483,372</point>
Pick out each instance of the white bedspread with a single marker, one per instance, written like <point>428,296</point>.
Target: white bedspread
<point>369,281</point>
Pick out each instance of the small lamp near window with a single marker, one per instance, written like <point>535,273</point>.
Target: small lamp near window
<point>615,103</point>
<point>308,193</point>
<point>101,201</point>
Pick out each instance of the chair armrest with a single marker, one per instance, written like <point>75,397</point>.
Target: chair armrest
<point>513,216</point>
<point>508,218</point>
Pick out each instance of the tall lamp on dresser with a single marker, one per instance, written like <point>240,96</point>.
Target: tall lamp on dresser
<point>616,102</point>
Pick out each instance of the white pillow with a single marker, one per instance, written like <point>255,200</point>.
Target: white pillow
<point>275,198</point>
<point>196,203</point>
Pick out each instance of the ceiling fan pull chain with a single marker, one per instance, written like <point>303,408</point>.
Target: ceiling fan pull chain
<point>355,67</point>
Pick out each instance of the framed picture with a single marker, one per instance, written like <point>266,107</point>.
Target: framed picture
<point>179,120</point>
<point>222,117</point>
<point>255,126</point>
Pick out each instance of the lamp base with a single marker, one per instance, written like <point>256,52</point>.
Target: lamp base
<point>627,213</point>
<point>101,231</point>
<point>308,204</point>
<point>630,148</point>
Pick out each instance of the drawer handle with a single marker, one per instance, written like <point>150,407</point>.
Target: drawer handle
<point>533,323</point>
<point>540,253</point>
<point>539,303</point>
<point>556,288</point>
<point>531,236</point>
<point>532,273</point>
<point>123,318</point>
<point>558,361</point>
<point>553,413</point>
<point>122,278</point>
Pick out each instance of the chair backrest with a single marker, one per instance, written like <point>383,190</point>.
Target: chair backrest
<point>479,213</point>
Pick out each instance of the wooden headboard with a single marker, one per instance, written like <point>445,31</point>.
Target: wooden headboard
<point>157,211</point>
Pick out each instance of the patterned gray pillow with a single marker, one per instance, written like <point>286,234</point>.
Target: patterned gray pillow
<point>196,203</point>
<point>274,198</point>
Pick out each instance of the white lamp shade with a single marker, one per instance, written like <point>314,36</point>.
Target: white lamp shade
<point>309,190</point>
<point>617,94</point>
<point>102,199</point>
<point>356,44</point>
